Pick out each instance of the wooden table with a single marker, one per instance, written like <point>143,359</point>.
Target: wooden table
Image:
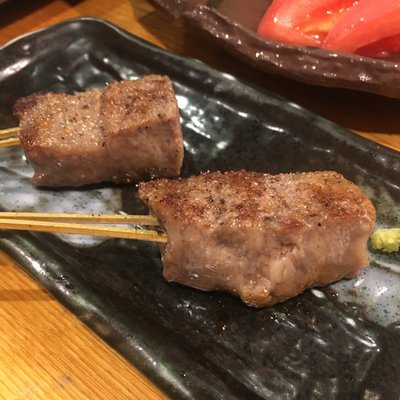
<point>45,352</point>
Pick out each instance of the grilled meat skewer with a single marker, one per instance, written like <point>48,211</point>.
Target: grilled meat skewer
<point>128,132</point>
<point>263,237</point>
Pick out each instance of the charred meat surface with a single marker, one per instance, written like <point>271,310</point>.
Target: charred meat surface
<point>62,138</point>
<point>126,133</point>
<point>263,237</point>
<point>142,125</point>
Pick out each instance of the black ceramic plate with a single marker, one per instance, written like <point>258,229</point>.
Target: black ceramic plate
<point>340,342</point>
<point>232,25</point>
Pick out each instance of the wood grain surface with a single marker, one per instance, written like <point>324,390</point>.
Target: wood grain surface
<point>45,352</point>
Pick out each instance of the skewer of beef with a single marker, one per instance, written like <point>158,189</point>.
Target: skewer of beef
<point>262,237</point>
<point>127,133</point>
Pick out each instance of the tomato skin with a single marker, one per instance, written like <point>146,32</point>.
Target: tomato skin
<point>302,22</point>
<point>279,25</point>
<point>374,23</point>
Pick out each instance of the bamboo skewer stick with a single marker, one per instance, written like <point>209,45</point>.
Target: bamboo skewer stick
<point>8,137</point>
<point>9,142</point>
<point>147,220</point>
<point>4,133</point>
<point>48,225</point>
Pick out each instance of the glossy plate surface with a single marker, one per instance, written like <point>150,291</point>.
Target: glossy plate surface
<point>341,342</point>
<point>232,25</point>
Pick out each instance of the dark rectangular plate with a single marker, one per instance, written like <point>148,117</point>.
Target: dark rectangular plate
<point>340,342</point>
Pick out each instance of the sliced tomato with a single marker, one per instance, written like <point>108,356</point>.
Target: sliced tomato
<point>302,22</point>
<point>371,27</point>
<point>381,48</point>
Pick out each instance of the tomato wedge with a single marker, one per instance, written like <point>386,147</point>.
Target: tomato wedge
<point>370,27</point>
<point>381,48</point>
<point>302,22</point>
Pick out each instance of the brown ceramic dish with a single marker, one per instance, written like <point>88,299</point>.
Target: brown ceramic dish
<point>232,25</point>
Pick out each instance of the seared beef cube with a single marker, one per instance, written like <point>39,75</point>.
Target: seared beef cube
<point>62,138</point>
<point>142,126</point>
<point>129,132</point>
<point>263,237</point>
